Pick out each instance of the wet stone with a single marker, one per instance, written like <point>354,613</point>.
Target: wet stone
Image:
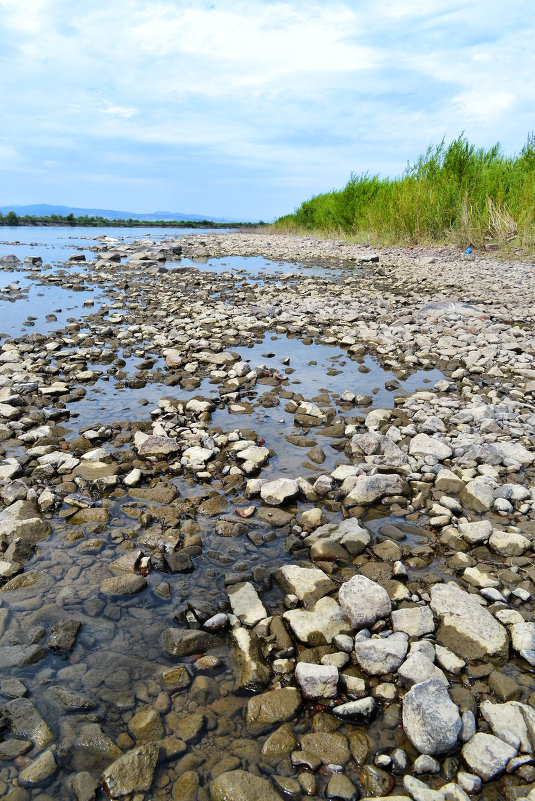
<point>267,709</point>
<point>131,773</point>
<point>123,585</point>
<point>183,642</point>
<point>239,785</point>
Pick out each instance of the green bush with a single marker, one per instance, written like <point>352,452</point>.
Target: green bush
<point>454,192</point>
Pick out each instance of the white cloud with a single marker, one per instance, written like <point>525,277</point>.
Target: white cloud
<point>295,93</point>
<point>120,111</point>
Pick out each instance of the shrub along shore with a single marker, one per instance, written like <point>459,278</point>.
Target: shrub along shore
<point>453,193</point>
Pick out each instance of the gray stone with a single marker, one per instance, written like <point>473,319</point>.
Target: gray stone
<point>466,627</point>
<point>123,585</point>
<point>363,601</point>
<point>349,533</point>
<point>415,621</point>
<point>309,584</point>
<point>246,604</point>
<point>318,624</point>
<point>487,756</point>
<point>368,489</point>
<point>317,681</point>
<point>63,635</point>
<point>361,710</point>
<point>25,720</point>
<point>382,655</point>
<point>20,655</point>
<point>430,718</point>
<point>424,445</point>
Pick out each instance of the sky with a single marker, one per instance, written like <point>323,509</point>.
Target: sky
<point>244,108</point>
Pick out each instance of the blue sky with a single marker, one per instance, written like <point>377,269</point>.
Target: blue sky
<point>244,109</point>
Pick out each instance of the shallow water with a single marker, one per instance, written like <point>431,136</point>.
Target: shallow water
<point>118,654</point>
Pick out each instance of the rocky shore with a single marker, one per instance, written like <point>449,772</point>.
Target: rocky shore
<point>233,572</point>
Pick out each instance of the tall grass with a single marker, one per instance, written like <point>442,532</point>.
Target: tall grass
<point>456,192</point>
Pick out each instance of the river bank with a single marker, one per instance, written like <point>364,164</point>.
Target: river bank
<point>267,521</point>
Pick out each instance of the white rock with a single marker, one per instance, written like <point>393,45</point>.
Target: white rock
<point>279,491</point>
<point>317,681</point>
<point>246,604</point>
<point>487,756</point>
<point>415,621</point>
<point>424,445</point>
<point>363,601</point>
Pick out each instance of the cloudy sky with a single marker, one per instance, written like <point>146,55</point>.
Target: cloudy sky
<point>243,108</point>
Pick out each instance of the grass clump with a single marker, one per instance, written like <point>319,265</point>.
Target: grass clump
<point>456,193</point>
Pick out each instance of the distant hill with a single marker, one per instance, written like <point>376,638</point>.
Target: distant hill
<point>45,210</point>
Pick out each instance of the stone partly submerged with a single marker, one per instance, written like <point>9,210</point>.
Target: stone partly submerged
<point>131,773</point>
<point>239,785</point>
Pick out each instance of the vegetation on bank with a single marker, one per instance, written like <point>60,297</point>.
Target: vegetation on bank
<point>456,193</point>
<point>101,222</point>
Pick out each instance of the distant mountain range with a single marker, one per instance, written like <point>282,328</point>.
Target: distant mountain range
<point>44,210</point>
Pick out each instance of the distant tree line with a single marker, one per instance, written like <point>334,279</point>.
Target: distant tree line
<point>101,222</point>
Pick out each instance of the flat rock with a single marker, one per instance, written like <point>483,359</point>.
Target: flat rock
<point>239,785</point>
<point>466,627</point>
<point>39,771</point>
<point>123,585</point>
<point>252,671</point>
<point>424,445</point>
<point>309,584</point>
<point>331,747</point>
<point>267,709</point>
<point>369,489</point>
<point>131,773</point>
<point>184,642</point>
<point>415,621</point>
<point>349,534</point>
<point>487,756</point>
<point>318,624</point>
<point>280,491</point>
<point>317,681</point>
<point>246,604</point>
<point>26,721</point>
